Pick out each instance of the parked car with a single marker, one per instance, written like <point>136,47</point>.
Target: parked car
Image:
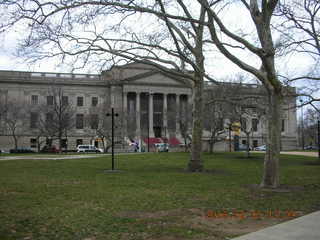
<point>22,150</point>
<point>310,148</point>
<point>88,148</point>
<point>49,149</point>
<point>261,148</point>
<point>162,147</point>
<point>243,147</point>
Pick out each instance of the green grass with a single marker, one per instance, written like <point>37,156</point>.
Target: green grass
<point>75,199</point>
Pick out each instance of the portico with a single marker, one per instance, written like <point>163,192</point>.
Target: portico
<point>159,113</point>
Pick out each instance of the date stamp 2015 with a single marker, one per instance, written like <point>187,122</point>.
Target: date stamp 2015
<point>255,214</point>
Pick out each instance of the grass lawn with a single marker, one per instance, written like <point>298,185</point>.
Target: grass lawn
<point>151,198</point>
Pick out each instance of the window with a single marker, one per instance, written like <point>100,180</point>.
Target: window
<point>34,99</point>
<point>79,142</point>
<point>65,100</point>
<point>79,101</point>
<point>79,121</point>
<point>48,141</point>
<point>254,124</point>
<point>49,119</point>
<point>283,125</point>
<point>243,122</point>
<point>221,124</point>
<point>33,142</point>
<point>94,121</point>
<point>49,100</point>
<point>255,143</point>
<point>33,120</point>
<point>94,101</point>
<point>244,142</point>
<point>64,143</point>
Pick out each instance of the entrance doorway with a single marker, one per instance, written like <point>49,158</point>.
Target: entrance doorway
<point>157,132</point>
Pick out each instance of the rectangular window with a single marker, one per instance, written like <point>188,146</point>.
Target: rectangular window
<point>64,143</point>
<point>48,141</point>
<point>243,122</point>
<point>34,99</point>
<point>65,100</point>
<point>33,120</point>
<point>49,100</point>
<point>94,121</point>
<point>94,101</point>
<point>79,142</point>
<point>283,125</point>
<point>254,124</point>
<point>244,142</point>
<point>255,143</point>
<point>49,119</point>
<point>79,121</point>
<point>33,142</point>
<point>79,101</point>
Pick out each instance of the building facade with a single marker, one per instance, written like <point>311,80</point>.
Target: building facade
<point>149,104</point>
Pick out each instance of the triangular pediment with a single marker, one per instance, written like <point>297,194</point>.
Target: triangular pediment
<point>156,78</point>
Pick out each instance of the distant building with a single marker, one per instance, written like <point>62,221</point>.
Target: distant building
<point>149,103</point>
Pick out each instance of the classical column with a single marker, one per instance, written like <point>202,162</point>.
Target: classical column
<point>189,110</point>
<point>151,133</point>
<point>138,122</point>
<point>178,132</point>
<point>125,114</point>
<point>165,117</point>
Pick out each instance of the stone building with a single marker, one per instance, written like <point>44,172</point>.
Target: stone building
<point>149,104</point>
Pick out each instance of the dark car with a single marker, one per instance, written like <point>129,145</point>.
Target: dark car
<point>310,148</point>
<point>49,149</point>
<point>21,150</point>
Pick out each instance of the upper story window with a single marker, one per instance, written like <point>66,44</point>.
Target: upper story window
<point>33,120</point>
<point>49,100</point>
<point>65,100</point>
<point>254,123</point>
<point>94,121</point>
<point>79,121</point>
<point>34,99</point>
<point>79,101</point>
<point>94,101</point>
<point>243,122</point>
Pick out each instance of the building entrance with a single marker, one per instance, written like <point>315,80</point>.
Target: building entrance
<point>157,132</point>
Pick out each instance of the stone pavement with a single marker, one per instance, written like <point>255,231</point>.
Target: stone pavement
<point>303,228</point>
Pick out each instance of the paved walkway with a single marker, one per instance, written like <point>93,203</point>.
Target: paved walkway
<point>303,228</point>
<point>50,157</point>
<point>310,154</point>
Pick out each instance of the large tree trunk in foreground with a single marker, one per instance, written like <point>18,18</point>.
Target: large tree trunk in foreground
<point>195,163</point>
<point>271,161</point>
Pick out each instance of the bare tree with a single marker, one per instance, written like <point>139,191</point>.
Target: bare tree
<point>15,117</point>
<point>176,46</point>
<point>180,37</point>
<point>57,115</point>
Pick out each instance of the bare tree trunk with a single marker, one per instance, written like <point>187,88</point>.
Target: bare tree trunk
<point>211,143</point>
<point>248,144</point>
<point>195,163</point>
<point>271,161</point>
<point>15,142</point>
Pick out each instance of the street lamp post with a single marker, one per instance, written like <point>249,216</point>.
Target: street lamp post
<point>112,134</point>
<point>302,125</point>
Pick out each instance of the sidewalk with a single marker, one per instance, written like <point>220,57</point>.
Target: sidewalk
<point>303,228</point>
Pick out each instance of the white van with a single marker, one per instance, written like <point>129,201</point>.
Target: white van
<point>88,148</point>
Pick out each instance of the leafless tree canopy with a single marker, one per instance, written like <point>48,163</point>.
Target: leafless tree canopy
<point>181,35</point>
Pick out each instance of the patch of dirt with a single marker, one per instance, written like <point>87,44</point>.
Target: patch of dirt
<point>215,227</point>
<point>281,189</point>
